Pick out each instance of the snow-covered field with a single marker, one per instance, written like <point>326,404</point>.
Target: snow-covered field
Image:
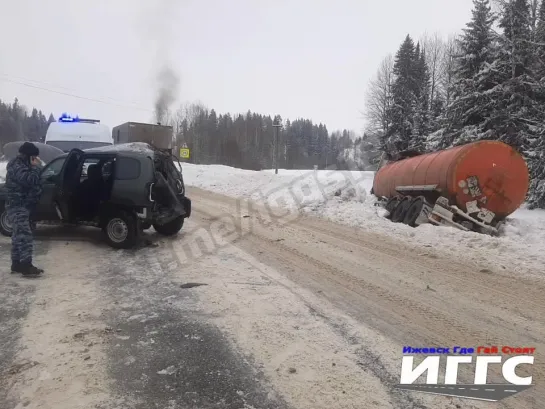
<point>521,249</point>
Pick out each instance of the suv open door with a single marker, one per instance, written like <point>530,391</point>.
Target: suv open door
<point>68,180</point>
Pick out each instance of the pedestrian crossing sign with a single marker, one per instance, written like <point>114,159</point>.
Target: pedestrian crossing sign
<point>184,153</point>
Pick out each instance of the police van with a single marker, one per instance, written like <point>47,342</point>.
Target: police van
<point>74,132</point>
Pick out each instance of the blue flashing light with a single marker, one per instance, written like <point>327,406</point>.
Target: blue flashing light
<point>67,118</point>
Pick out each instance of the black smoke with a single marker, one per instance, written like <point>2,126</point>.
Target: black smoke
<point>167,92</point>
<point>159,20</point>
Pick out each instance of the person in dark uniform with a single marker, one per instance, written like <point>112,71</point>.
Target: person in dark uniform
<point>23,185</point>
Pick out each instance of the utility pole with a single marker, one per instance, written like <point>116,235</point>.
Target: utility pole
<point>277,127</point>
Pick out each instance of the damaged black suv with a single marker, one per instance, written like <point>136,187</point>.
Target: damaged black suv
<point>122,189</point>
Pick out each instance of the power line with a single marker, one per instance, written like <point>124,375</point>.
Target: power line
<point>73,95</point>
<point>50,84</point>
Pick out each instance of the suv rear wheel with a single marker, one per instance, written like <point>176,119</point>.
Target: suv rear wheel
<point>120,229</point>
<point>170,228</point>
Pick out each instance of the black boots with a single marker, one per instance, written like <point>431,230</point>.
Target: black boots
<point>26,269</point>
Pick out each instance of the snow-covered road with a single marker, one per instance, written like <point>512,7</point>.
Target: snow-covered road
<point>257,304</point>
<point>293,312</point>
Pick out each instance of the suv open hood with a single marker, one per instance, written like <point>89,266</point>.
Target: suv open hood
<point>47,152</point>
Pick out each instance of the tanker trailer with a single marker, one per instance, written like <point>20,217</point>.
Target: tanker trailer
<point>473,187</point>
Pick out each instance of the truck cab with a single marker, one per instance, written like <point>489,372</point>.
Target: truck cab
<point>77,133</point>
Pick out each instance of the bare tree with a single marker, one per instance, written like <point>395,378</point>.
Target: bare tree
<point>434,47</point>
<point>447,69</point>
<point>178,120</point>
<point>190,114</point>
<point>379,98</point>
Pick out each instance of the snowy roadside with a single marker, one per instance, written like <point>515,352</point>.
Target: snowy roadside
<point>520,250</point>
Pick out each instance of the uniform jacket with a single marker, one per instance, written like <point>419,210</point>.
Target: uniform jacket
<point>23,184</point>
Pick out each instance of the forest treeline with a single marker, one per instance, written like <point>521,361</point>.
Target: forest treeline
<point>248,141</point>
<point>242,140</point>
<point>18,124</point>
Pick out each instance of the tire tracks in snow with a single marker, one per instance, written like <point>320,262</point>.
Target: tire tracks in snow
<point>408,296</point>
<point>110,329</point>
<point>165,353</point>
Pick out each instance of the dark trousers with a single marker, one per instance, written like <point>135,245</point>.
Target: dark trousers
<point>21,238</point>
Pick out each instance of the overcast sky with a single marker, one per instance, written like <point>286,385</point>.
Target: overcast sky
<point>298,58</point>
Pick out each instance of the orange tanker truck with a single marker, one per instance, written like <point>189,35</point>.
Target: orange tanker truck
<point>473,187</point>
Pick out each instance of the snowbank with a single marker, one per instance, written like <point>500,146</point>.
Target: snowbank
<point>521,249</point>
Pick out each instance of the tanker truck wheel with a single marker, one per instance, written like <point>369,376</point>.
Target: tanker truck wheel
<point>401,210</point>
<point>391,205</point>
<point>413,211</point>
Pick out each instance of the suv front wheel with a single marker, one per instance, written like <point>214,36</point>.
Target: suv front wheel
<point>120,229</point>
<point>170,228</point>
<point>6,228</point>
<point>5,224</point>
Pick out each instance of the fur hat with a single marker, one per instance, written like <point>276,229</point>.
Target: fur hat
<point>29,149</point>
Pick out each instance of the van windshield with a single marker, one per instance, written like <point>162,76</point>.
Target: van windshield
<point>66,146</point>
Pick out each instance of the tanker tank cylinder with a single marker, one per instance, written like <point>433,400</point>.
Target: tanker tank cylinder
<point>482,183</point>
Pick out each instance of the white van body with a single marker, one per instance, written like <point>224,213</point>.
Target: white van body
<point>67,134</point>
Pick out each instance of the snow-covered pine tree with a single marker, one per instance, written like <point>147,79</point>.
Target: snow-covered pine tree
<point>416,109</point>
<point>403,95</point>
<point>517,37</point>
<point>539,41</point>
<point>536,148</point>
<point>521,111</point>
<point>421,101</point>
<point>509,100</point>
<point>492,97</point>
<point>477,40</point>
<point>474,77</point>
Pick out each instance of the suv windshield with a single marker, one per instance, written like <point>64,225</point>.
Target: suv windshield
<point>66,146</point>
<point>52,170</point>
